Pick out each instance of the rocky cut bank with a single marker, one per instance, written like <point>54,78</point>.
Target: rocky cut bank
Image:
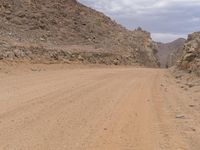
<point>190,60</point>
<point>67,31</point>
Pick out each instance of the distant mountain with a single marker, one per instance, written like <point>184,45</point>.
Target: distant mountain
<point>65,30</point>
<point>168,53</point>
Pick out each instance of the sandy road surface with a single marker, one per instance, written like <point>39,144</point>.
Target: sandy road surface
<point>96,109</point>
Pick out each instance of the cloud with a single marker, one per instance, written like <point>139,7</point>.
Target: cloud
<point>166,37</point>
<point>172,17</point>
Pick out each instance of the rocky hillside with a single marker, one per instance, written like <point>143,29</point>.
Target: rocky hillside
<point>67,31</point>
<point>169,53</point>
<point>190,60</point>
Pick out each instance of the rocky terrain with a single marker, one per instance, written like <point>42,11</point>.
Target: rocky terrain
<point>72,106</point>
<point>169,53</point>
<point>190,60</point>
<point>66,31</point>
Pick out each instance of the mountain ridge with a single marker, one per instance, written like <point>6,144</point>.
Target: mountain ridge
<point>169,53</point>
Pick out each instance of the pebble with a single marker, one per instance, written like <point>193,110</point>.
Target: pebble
<point>180,116</point>
<point>192,105</point>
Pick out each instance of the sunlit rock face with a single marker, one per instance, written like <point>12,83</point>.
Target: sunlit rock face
<point>190,59</point>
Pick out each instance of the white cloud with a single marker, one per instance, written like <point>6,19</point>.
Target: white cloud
<point>166,19</point>
<point>166,37</point>
<point>111,6</point>
<point>195,19</point>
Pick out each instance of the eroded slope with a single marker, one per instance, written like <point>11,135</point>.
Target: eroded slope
<point>65,30</point>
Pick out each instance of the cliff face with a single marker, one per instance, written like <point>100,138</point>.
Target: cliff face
<point>169,53</point>
<point>190,60</point>
<point>67,30</point>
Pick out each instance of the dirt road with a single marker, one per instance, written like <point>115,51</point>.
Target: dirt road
<point>97,109</point>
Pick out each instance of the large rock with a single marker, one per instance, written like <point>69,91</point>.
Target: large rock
<point>189,57</point>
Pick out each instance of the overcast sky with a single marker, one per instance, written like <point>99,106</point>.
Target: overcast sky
<point>167,20</point>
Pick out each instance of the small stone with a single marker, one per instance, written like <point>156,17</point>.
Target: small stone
<point>8,12</point>
<point>42,39</point>
<point>80,58</point>
<point>193,129</point>
<point>190,85</point>
<point>180,116</point>
<point>178,76</point>
<point>34,69</point>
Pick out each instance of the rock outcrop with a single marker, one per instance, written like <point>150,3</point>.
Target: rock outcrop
<point>34,29</point>
<point>190,60</point>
